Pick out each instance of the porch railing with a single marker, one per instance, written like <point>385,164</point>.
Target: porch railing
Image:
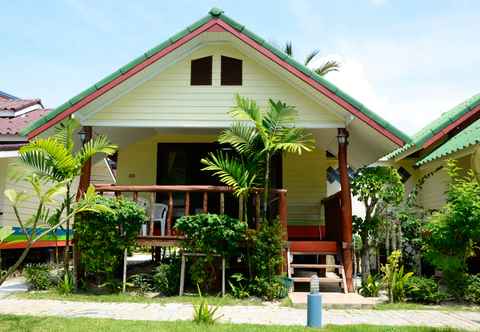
<point>205,190</point>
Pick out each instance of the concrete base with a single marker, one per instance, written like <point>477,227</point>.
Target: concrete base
<point>338,300</point>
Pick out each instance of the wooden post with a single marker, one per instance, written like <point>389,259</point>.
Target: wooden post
<point>346,203</point>
<point>187,203</point>
<point>82,188</point>
<point>222,203</point>
<point>205,202</point>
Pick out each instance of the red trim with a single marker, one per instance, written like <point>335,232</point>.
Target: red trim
<point>313,246</point>
<point>304,232</point>
<point>459,124</point>
<point>39,244</point>
<point>215,24</point>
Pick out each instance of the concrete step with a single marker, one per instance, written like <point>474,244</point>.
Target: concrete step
<point>322,279</point>
<point>315,266</point>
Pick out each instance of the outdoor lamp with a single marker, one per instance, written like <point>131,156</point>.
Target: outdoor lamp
<point>342,137</point>
<point>314,303</point>
<point>83,135</point>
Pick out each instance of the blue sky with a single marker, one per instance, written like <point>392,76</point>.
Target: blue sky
<point>407,60</point>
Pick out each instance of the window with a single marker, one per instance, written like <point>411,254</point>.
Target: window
<point>201,71</point>
<point>231,71</point>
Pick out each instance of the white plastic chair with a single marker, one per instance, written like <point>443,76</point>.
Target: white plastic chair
<point>160,215</point>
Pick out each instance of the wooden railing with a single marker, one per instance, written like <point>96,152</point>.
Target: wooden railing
<point>187,190</point>
<point>333,214</point>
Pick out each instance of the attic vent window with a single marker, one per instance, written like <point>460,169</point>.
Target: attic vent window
<point>231,71</point>
<point>201,71</point>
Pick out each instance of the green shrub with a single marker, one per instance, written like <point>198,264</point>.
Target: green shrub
<point>371,287</point>
<point>203,313</point>
<point>238,286</point>
<point>472,292</point>
<point>423,290</point>
<point>66,284</point>
<point>166,278</point>
<point>39,276</point>
<point>103,236</point>
<point>142,283</point>
<point>395,279</point>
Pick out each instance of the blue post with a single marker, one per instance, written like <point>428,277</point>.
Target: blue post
<point>314,304</point>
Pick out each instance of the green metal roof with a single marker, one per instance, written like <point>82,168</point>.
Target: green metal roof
<point>216,13</point>
<point>437,125</point>
<point>467,137</point>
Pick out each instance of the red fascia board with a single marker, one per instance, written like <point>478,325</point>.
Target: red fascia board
<point>213,24</point>
<point>88,99</point>
<point>38,244</point>
<point>312,83</point>
<point>459,124</point>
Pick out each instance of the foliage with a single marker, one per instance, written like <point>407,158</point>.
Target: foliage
<point>371,287</point>
<point>38,276</point>
<point>142,283</point>
<point>53,160</point>
<point>377,188</point>
<point>104,235</point>
<point>66,285</point>
<point>472,291</point>
<point>265,259</point>
<point>395,279</point>
<point>256,136</point>
<point>452,234</point>
<point>166,278</point>
<point>238,286</point>
<point>423,290</point>
<point>203,313</point>
<point>322,69</point>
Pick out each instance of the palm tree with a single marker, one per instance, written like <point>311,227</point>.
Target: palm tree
<point>323,69</point>
<point>54,159</point>
<point>257,136</point>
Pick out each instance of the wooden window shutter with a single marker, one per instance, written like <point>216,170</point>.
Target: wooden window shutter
<point>201,71</point>
<point>231,71</point>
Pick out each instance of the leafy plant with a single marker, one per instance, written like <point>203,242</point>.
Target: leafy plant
<point>142,283</point>
<point>53,159</point>
<point>104,235</point>
<point>257,136</point>
<point>322,69</point>
<point>203,313</point>
<point>66,285</point>
<point>472,292</point>
<point>423,290</point>
<point>376,187</point>
<point>371,287</point>
<point>395,279</point>
<point>38,276</point>
<point>238,286</point>
<point>166,278</point>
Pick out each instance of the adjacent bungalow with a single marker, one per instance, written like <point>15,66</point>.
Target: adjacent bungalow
<point>165,109</point>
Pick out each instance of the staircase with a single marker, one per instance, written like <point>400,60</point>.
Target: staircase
<point>319,249</point>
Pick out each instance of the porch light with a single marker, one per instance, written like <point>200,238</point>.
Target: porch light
<point>342,137</point>
<point>83,135</point>
<point>314,284</point>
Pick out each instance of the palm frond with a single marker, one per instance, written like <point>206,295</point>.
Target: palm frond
<point>295,140</point>
<point>310,56</point>
<point>44,167</point>
<point>246,109</point>
<point>230,171</point>
<point>64,133</point>
<point>279,115</point>
<point>327,67</point>
<point>242,137</point>
<point>98,144</point>
<point>288,49</point>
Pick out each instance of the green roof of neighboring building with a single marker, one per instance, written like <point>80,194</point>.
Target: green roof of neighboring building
<point>437,125</point>
<point>216,13</point>
<point>467,137</point>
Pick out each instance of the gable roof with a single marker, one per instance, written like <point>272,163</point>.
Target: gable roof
<point>467,137</point>
<point>214,21</point>
<point>14,125</point>
<point>460,116</point>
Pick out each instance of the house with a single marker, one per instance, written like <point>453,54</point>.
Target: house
<point>165,109</point>
<point>454,135</point>
<point>15,115</point>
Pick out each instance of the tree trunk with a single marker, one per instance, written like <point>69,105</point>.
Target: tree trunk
<point>15,266</point>
<point>365,260</point>
<point>394,237</point>
<point>387,239</point>
<point>66,252</point>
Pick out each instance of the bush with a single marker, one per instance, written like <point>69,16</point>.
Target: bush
<point>66,284</point>
<point>371,287</point>
<point>472,292</point>
<point>395,279</point>
<point>142,283</point>
<point>238,286</point>
<point>38,276</point>
<point>166,278</point>
<point>423,290</point>
<point>103,236</point>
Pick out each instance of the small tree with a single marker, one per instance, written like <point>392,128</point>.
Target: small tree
<point>41,222</point>
<point>376,187</point>
<point>323,69</point>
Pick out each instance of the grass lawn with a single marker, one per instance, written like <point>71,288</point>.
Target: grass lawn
<point>88,297</point>
<point>417,306</point>
<point>37,324</point>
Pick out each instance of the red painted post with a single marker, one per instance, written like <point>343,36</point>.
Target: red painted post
<point>282,215</point>
<point>346,210</point>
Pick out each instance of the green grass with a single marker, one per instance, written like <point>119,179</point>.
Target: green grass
<point>418,306</point>
<point>88,297</point>
<point>51,324</point>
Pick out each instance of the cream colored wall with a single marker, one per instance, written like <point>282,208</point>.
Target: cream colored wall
<point>305,179</point>
<point>168,100</point>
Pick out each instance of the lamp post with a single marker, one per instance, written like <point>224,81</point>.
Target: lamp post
<point>314,303</point>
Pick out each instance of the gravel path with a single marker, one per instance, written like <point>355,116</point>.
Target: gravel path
<point>239,314</point>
